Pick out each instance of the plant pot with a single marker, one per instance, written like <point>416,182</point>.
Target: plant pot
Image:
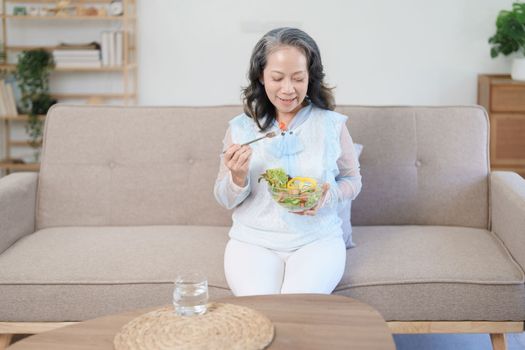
<point>518,69</point>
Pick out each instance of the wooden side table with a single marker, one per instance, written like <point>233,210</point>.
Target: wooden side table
<point>302,321</point>
<point>504,100</point>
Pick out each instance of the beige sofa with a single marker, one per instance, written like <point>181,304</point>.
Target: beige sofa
<point>124,200</point>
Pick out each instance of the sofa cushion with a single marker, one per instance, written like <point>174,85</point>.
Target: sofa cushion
<point>443,301</point>
<point>105,255</point>
<point>422,165</point>
<point>433,273</point>
<point>54,273</point>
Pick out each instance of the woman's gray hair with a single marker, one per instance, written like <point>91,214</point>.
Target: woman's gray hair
<point>256,103</point>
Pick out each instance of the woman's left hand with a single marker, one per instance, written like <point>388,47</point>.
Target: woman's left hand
<point>319,205</point>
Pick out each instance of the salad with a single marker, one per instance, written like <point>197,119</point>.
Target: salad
<point>292,193</point>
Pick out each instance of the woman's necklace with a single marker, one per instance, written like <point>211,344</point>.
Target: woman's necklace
<point>282,127</point>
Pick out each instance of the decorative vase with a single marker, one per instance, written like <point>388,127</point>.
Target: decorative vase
<point>518,69</point>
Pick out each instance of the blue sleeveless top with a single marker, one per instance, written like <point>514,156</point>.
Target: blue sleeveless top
<point>309,148</point>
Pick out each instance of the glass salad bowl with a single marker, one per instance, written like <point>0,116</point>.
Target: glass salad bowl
<point>295,200</point>
<point>295,194</point>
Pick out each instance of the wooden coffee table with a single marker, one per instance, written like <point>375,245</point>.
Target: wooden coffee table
<point>302,321</point>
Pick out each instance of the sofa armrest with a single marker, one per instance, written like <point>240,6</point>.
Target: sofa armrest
<point>17,207</point>
<point>508,211</point>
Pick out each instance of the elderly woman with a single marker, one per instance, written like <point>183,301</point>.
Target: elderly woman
<point>272,250</point>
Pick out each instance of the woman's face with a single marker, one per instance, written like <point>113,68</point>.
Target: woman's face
<point>285,79</point>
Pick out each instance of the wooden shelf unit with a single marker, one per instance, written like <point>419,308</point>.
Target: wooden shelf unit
<point>9,143</point>
<point>12,67</point>
<point>128,70</point>
<point>20,167</point>
<point>64,17</point>
<point>54,1</point>
<point>20,117</point>
<point>504,100</point>
<point>45,47</point>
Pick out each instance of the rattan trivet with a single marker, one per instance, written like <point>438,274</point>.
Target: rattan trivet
<point>223,326</point>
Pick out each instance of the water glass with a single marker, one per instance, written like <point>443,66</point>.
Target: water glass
<point>190,294</point>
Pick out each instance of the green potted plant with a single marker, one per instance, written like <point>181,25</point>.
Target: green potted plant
<point>32,74</point>
<point>510,38</point>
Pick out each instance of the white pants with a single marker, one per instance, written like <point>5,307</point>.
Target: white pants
<point>315,268</point>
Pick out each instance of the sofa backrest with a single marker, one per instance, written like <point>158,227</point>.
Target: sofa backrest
<point>119,166</point>
<point>104,165</point>
<point>421,165</point>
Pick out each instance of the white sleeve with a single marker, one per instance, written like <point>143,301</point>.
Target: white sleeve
<point>348,182</point>
<point>226,192</point>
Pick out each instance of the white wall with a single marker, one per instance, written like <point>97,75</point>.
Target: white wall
<point>375,52</point>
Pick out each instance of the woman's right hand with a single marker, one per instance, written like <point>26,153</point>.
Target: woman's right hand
<point>237,159</point>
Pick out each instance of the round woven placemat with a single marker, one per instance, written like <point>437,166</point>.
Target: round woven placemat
<point>223,326</point>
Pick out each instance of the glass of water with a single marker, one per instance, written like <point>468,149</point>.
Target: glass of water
<point>190,294</point>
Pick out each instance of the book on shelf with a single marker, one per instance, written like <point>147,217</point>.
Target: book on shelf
<point>112,48</point>
<point>81,64</point>
<point>11,100</point>
<point>77,55</point>
<point>119,52</point>
<point>74,46</point>
<point>104,48</point>
<point>3,101</point>
<point>7,99</point>
<point>78,58</point>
